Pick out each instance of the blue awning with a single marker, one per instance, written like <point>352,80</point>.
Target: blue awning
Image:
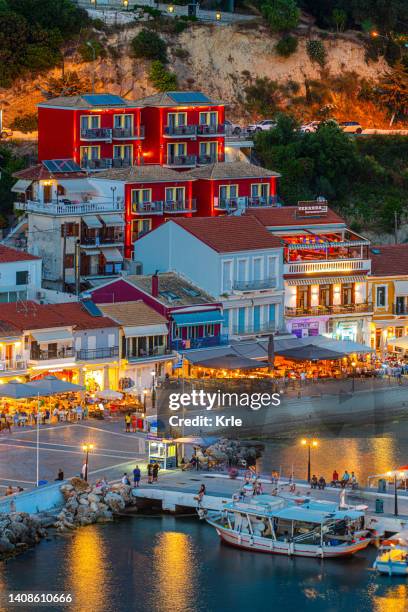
<point>198,318</point>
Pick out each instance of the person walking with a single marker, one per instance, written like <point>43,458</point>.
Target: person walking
<point>127,423</point>
<point>149,473</point>
<point>78,411</point>
<point>155,472</point>
<point>136,476</point>
<point>134,422</point>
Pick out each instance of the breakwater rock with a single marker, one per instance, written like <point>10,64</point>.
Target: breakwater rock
<point>21,530</point>
<point>87,504</point>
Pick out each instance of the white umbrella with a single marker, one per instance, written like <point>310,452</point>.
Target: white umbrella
<point>109,394</point>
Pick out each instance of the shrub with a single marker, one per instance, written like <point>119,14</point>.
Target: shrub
<point>316,51</point>
<point>286,46</point>
<point>86,52</point>
<point>162,79</point>
<point>149,45</point>
<point>262,96</point>
<point>181,53</point>
<point>282,15</point>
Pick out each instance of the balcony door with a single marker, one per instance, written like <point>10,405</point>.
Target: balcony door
<point>347,294</point>
<point>241,320</point>
<point>210,118</point>
<point>176,149</point>
<point>177,119</point>
<point>209,149</point>
<point>175,194</point>
<point>260,190</point>
<point>228,192</point>
<point>325,295</point>
<point>140,197</point>
<point>124,122</point>
<point>302,297</point>
<point>89,122</point>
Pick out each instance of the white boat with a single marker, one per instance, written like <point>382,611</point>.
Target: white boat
<point>291,526</point>
<point>392,558</point>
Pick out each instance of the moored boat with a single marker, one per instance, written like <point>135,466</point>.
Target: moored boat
<point>305,528</point>
<point>392,558</point>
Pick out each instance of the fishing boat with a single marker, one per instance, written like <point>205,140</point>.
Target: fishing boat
<point>392,558</point>
<point>301,527</point>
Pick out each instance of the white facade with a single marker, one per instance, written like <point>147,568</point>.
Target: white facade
<point>20,280</point>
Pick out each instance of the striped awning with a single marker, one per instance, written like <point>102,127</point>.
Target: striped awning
<point>328,280</point>
<point>112,220</point>
<point>92,222</point>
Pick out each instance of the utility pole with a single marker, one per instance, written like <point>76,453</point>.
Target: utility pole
<point>77,268</point>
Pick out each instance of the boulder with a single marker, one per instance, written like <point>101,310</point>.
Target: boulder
<point>5,545</point>
<point>115,502</point>
<point>93,497</point>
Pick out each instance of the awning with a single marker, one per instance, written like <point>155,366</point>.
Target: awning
<point>112,220</point>
<point>90,252</point>
<point>328,280</point>
<point>230,362</point>
<point>309,353</point>
<point>78,186</point>
<point>112,255</point>
<point>133,331</point>
<point>21,186</point>
<point>52,336</point>
<point>92,222</point>
<point>198,318</point>
<point>401,287</point>
<point>399,342</point>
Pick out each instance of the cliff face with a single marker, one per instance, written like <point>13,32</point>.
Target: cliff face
<point>213,59</point>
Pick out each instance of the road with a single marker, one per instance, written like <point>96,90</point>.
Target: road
<point>60,446</point>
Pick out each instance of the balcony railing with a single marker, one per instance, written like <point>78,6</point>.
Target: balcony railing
<point>316,311</point>
<point>172,206</point>
<point>181,161</point>
<point>101,353</point>
<point>180,130</point>
<point>197,343</point>
<point>62,353</point>
<point>12,365</point>
<point>67,207</point>
<point>207,159</point>
<point>262,328</point>
<point>319,266</point>
<point>148,208</point>
<point>262,201</point>
<point>211,130</point>
<point>400,309</point>
<point>96,134</point>
<point>266,283</point>
<point>230,204</point>
<point>101,240</point>
<point>226,204</point>
<point>158,351</point>
<point>103,163</point>
<point>128,133</point>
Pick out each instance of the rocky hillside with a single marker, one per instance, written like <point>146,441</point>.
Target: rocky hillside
<point>218,60</point>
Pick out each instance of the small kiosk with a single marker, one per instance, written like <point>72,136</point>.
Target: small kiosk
<point>163,452</point>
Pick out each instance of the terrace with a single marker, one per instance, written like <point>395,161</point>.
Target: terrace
<point>63,206</point>
<point>337,309</point>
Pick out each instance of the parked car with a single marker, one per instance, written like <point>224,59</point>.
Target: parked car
<point>232,128</point>
<point>5,133</point>
<point>262,126</point>
<point>351,127</point>
<point>312,126</point>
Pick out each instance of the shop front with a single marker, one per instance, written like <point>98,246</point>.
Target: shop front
<point>356,330</point>
<point>304,328</point>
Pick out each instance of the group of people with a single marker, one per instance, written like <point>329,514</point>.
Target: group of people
<point>131,422</point>
<point>152,475</point>
<point>347,480</point>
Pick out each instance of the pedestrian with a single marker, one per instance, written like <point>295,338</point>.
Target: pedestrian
<point>134,422</point>
<point>335,478</point>
<point>60,475</point>
<point>322,483</point>
<point>125,479</point>
<point>155,472</point>
<point>78,411</point>
<point>9,490</point>
<point>16,419</point>
<point>200,494</point>
<point>127,423</point>
<point>149,473</point>
<point>136,476</point>
<point>345,479</point>
<point>314,481</point>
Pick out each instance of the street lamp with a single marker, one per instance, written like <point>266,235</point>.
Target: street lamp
<point>310,444</point>
<point>87,448</point>
<point>126,4</point>
<point>353,365</point>
<point>91,45</point>
<point>218,16</point>
<point>144,399</point>
<point>170,8</point>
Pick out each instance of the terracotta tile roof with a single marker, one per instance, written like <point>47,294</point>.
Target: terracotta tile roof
<point>132,313</point>
<point>167,99</point>
<point>152,173</point>
<point>172,283</point>
<point>286,216</point>
<point>389,260</point>
<point>8,255</point>
<point>31,315</point>
<point>231,170</point>
<point>230,234</point>
<point>40,172</point>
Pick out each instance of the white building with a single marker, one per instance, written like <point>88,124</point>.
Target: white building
<point>20,275</point>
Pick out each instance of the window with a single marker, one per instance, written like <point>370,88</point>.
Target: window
<point>226,317</point>
<point>272,260</point>
<point>242,269</point>
<point>258,268</point>
<point>69,261</point>
<point>209,149</point>
<point>176,149</point>
<point>226,276</point>
<point>91,343</point>
<point>228,192</point>
<point>22,278</point>
<point>90,153</point>
<point>257,318</point>
<point>122,152</point>
<point>210,118</point>
<point>140,227</point>
<point>139,197</point>
<point>89,122</point>
<point>325,295</point>
<point>177,119</point>
<point>175,194</point>
<point>347,294</point>
<point>124,122</point>
<point>69,229</point>
<point>381,298</point>
<point>302,297</point>
<point>260,190</point>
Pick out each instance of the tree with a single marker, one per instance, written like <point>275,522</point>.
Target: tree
<point>282,15</point>
<point>316,51</point>
<point>286,45</point>
<point>69,84</point>
<point>393,90</point>
<point>162,79</point>
<point>339,18</point>
<point>263,96</point>
<point>149,45</point>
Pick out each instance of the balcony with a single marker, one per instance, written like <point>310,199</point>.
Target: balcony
<point>400,309</point>
<point>207,159</point>
<point>254,285</point>
<point>253,330</point>
<point>324,266</point>
<point>197,343</point>
<point>227,204</point>
<point>262,202</point>
<point>231,204</point>
<point>211,130</point>
<point>148,208</point>
<point>13,365</point>
<point>52,355</point>
<point>137,133</point>
<point>338,309</point>
<point>103,163</point>
<point>96,241</point>
<point>181,161</point>
<point>175,131</point>
<point>159,352</point>
<point>94,354</point>
<point>66,207</point>
<point>184,206</point>
<point>96,134</point>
